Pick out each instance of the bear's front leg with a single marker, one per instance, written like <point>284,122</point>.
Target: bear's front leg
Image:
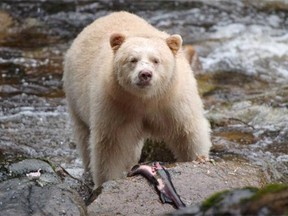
<point>192,143</point>
<point>112,156</point>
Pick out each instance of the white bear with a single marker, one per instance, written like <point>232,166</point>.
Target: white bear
<point>126,81</point>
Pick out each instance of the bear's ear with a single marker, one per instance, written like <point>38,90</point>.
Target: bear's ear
<point>174,42</point>
<point>190,53</point>
<point>116,40</point>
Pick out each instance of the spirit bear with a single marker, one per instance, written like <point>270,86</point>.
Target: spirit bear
<point>126,81</point>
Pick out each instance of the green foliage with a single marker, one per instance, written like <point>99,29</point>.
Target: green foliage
<point>213,200</point>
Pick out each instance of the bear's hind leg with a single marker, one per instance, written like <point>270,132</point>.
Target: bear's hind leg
<point>81,137</point>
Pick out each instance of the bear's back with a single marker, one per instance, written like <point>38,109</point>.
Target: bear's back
<point>122,22</point>
<point>94,39</point>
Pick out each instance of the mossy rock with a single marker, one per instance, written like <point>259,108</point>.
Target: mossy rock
<point>205,84</point>
<point>270,200</point>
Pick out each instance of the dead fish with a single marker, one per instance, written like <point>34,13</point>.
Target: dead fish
<point>161,179</point>
<point>146,171</point>
<point>166,188</point>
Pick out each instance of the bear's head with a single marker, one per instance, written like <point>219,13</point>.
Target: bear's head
<point>144,66</point>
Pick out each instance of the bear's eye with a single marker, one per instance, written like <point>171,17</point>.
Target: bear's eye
<point>134,60</point>
<point>155,61</point>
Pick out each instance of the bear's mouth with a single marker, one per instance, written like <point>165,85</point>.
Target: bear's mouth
<point>143,83</point>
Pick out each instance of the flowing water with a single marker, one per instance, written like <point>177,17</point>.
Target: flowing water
<point>243,48</point>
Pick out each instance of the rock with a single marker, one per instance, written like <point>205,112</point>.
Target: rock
<point>134,196</point>
<point>44,195</point>
<point>28,165</point>
<point>5,22</point>
<point>271,200</point>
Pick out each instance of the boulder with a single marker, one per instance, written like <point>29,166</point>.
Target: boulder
<point>193,182</point>
<point>31,187</point>
<point>270,200</point>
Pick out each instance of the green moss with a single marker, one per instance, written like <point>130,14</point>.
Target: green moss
<point>247,199</point>
<point>205,88</point>
<point>213,200</point>
<point>271,188</point>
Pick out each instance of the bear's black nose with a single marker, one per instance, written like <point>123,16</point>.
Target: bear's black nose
<point>145,76</point>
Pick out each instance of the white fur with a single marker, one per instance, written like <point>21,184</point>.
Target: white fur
<point>112,115</point>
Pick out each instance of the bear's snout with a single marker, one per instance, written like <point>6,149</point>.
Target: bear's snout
<point>145,77</point>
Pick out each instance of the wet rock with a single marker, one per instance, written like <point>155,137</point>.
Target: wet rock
<point>269,5</point>
<point>134,196</point>
<point>28,165</point>
<point>5,22</point>
<point>43,194</point>
<point>271,200</point>
<point>255,131</point>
